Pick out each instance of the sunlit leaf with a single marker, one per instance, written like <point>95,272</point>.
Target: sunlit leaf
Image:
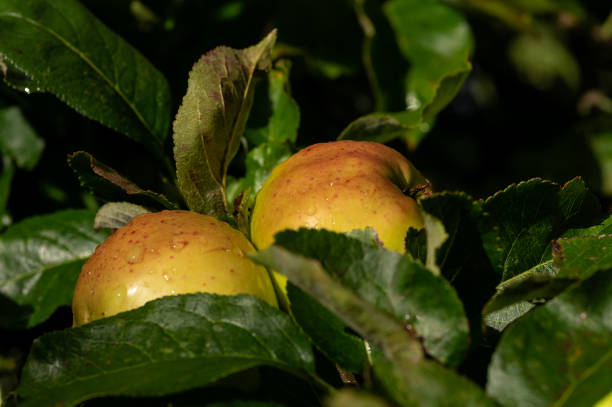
<point>211,120</point>
<point>87,66</point>
<point>156,349</point>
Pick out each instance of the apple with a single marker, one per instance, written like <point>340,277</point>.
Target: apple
<point>340,186</point>
<point>166,253</point>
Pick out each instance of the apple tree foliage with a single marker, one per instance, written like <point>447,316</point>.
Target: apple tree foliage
<point>111,109</point>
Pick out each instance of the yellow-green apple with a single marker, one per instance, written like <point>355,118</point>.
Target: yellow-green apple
<point>340,186</point>
<point>166,253</point>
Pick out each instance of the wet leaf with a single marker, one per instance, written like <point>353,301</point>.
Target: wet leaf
<point>109,185</point>
<point>40,260</point>
<point>211,120</point>
<point>155,350</point>
<point>87,66</point>
<point>424,303</point>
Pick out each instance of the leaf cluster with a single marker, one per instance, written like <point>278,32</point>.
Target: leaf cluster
<point>503,300</point>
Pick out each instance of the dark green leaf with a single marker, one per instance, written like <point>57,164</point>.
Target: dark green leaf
<point>427,384</point>
<point>406,375</point>
<point>327,331</point>
<point>18,140</point>
<point>211,120</point>
<point>543,59</point>
<point>114,215</point>
<point>575,258</point>
<point>601,145</point>
<point>520,222</point>
<point>416,244</point>
<point>87,66</point>
<point>380,127</point>
<point>306,30</point>
<point>373,325</point>
<point>109,185</point>
<point>459,214</point>
<point>424,303</point>
<point>6,179</point>
<point>40,260</point>
<point>416,53</point>
<point>559,354</point>
<point>169,345</point>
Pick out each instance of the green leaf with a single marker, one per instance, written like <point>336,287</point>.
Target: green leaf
<point>580,257</point>
<point>601,145</point>
<point>327,331</point>
<point>271,128</point>
<point>427,384</point>
<point>405,374</point>
<point>520,222</point>
<point>542,59</point>
<point>40,260</point>
<point>424,303</point>
<point>559,354</point>
<point>6,179</point>
<point>380,127</point>
<point>417,57</point>
<point>437,41</point>
<point>169,345</point>
<point>210,122</point>
<point>71,54</point>
<point>575,258</point>
<point>109,185</point>
<point>114,215</point>
<point>550,6</point>
<point>18,140</point>
<point>377,327</point>
<point>329,41</point>
<point>355,398</point>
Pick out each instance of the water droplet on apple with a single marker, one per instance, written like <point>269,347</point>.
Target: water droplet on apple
<point>165,276</point>
<point>134,255</point>
<point>178,243</point>
<point>311,210</point>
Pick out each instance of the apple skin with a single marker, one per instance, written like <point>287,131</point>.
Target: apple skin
<point>340,186</point>
<point>166,253</point>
